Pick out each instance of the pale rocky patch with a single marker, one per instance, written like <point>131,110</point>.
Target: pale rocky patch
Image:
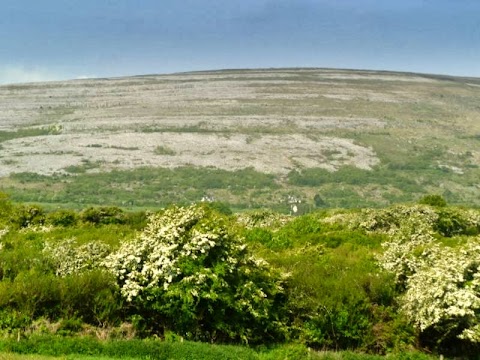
<point>276,154</point>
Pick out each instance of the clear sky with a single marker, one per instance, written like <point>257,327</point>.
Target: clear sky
<point>66,39</point>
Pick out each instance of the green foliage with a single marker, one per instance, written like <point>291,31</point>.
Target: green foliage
<point>63,218</point>
<point>20,252</point>
<point>292,351</point>
<point>11,320</point>
<point>433,200</point>
<point>29,264</point>
<point>103,215</point>
<point>69,326</point>
<point>189,273</point>
<point>136,220</point>
<point>337,296</point>
<point>439,284</point>
<point>453,222</point>
<point>220,207</point>
<point>91,349</point>
<point>28,132</point>
<point>90,297</point>
<point>310,230</point>
<point>28,215</point>
<point>142,187</point>
<point>6,209</point>
<point>352,176</point>
<point>319,202</point>
<point>339,299</point>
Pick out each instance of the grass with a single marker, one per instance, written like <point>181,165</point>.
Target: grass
<point>84,349</point>
<point>29,132</point>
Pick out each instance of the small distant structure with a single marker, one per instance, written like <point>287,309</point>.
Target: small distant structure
<point>294,202</point>
<point>207,198</point>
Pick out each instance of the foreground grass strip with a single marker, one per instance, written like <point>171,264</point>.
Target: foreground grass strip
<point>153,349</point>
<point>10,356</point>
<point>84,348</point>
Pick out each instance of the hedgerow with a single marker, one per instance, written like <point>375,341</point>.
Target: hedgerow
<point>375,280</point>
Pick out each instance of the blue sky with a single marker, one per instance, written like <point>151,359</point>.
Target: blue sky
<point>65,39</point>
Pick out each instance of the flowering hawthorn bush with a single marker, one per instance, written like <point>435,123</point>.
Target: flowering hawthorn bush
<point>70,258</point>
<point>444,294</point>
<point>189,273</point>
<point>441,284</point>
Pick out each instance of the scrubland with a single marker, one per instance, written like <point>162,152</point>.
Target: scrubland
<point>250,214</point>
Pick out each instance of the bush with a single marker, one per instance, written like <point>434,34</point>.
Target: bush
<point>63,218</point>
<point>433,200</point>
<point>103,215</point>
<point>28,215</point>
<point>220,207</point>
<point>439,284</point>
<point>189,273</point>
<point>453,222</point>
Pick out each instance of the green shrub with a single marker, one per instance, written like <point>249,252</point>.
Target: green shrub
<point>6,209</point>
<point>259,236</point>
<point>453,222</point>
<point>92,297</point>
<point>220,207</point>
<point>136,220</point>
<point>69,326</point>
<point>103,215</point>
<point>63,218</point>
<point>21,252</point>
<point>32,293</point>
<point>11,320</point>
<point>302,230</point>
<point>290,352</point>
<point>28,215</point>
<point>334,296</point>
<point>433,200</point>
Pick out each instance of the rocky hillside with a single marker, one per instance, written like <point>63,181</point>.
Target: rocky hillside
<point>249,138</point>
